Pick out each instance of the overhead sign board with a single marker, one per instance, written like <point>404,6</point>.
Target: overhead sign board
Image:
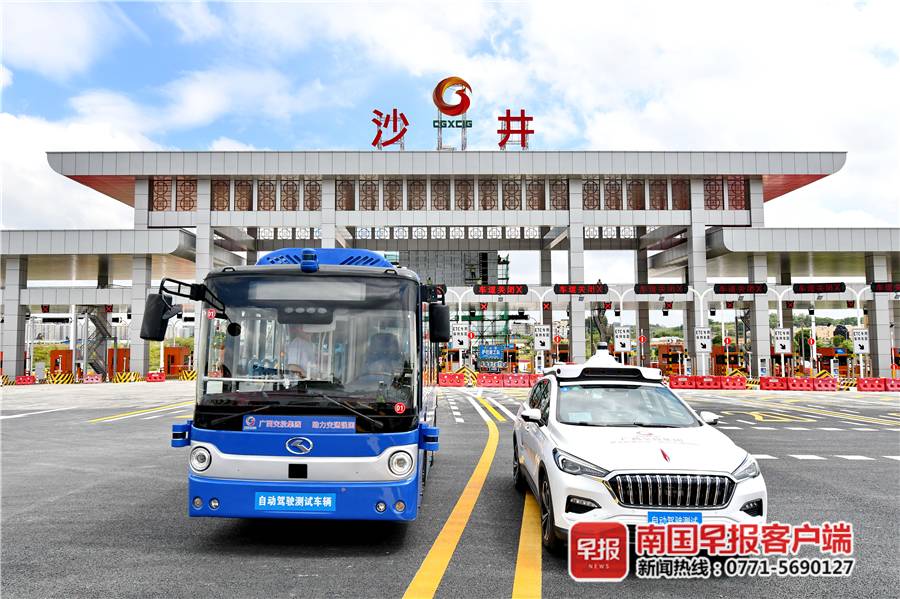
<point>740,288</point>
<point>886,287</point>
<point>660,288</point>
<point>500,289</point>
<point>834,287</point>
<point>542,337</point>
<point>860,341</point>
<point>622,336</point>
<point>782,340</point>
<point>459,335</point>
<point>581,289</point>
<point>703,339</point>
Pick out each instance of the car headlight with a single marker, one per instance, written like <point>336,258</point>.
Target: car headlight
<point>400,463</point>
<point>747,470</point>
<point>572,465</point>
<point>200,459</point>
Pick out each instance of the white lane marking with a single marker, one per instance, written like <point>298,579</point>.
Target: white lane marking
<point>764,428</point>
<point>854,457</point>
<point>764,456</point>
<point>502,408</point>
<point>848,422</point>
<point>732,428</point>
<point>796,428</point>
<point>36,413</point>
<point>478,408</point>
<point>746,422</point>
<point>868,430</point>
<point>459,420</point>
<point>807,457</point>
<point>892,457</point>
<point>825,428</point>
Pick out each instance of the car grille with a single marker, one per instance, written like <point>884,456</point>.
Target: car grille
<point>672,490</point>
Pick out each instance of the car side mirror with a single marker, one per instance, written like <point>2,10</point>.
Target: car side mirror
<point>158,309</point>
<point>531,415</point>
<point>709,417</point>
<point>439,323</point>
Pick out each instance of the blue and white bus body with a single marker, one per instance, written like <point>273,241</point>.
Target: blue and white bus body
<point>346,475</point>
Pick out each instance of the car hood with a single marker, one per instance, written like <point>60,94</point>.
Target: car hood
<point>651,449</point>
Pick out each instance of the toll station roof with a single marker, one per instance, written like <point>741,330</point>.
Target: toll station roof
<point>114,173</point>
<point>813,252</point>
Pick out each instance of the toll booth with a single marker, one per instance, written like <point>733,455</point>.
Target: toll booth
<point>176,359</point>
<point>670,358</point>
<point>789,366</point>
<point>118,360</point>
<point>726,361</point>
<point>843,357</point>
<point>60,360</point>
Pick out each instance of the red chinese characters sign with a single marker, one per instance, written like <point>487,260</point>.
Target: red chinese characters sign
<point>581,289</point>
<point>500,289</point>
<point>394,123</point>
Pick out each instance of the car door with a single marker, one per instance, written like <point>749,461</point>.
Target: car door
<point>530,432</point>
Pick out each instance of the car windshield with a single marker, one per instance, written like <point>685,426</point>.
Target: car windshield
<point>308,340</point>
<point>622,405</point>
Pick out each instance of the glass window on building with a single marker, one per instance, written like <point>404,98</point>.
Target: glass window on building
<point>713,193</point>
<point>312,194</point>
<point>464,192</point>
<point>487,194</point>
<point>681,194</point>
<point>185,194</point>
<point>612,193</point>
<point>534,194</point>
<point>636,194</point>
<point>243,195</point>
<point>659,194</point>
<point>221,194</point>
<point>393,194</point>
<point>345,198</point>
<point>265,195</point>
<point>512,195</point>
<point>290,194</point>
<point>590,194</point>
<point>440,194</point>
<point>160,194</point>
<point>738,193</point>
<point>416,193</point>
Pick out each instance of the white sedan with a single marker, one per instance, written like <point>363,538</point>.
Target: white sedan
<point>606,442</point>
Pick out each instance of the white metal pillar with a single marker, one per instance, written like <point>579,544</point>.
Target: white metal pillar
<point>140,287</point>
<point>757,272</point>
<point>13,339</point>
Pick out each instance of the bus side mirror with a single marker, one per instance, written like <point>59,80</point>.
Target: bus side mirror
<point>439,323</point>
<point>157,311</point>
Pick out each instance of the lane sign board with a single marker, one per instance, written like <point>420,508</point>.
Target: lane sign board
<point>703,339</point>
<point>782,338</point>
<point>860,341</point>
<point>622,337</point>
<point>459,335</point>
<point>541,337</point>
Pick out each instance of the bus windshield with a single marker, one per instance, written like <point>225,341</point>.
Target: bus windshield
<point>309,340</point>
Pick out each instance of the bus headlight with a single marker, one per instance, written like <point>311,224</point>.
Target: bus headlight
<point>200,459</point>
<point>400,463</point>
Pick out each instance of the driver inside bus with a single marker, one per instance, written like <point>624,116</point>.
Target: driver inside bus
<point>301,352</point>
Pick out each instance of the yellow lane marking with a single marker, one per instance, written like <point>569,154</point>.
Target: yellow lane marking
<point>145,411</point>
<point>425,583</point>
<point>527,583</point>
<point>841,415</point>
<point>770,416</point>
<point>491,409</point>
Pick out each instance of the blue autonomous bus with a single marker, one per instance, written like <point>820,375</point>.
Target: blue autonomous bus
<point>314,386</point>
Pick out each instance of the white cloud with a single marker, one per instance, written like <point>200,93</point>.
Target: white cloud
<point>6,76</point>
<point>60,39</point>
<point>200,98</point>
<point>223,143</point>
<point>194,20</point>
<point>32,195</point>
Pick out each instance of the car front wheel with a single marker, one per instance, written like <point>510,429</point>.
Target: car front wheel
<point>548,522</point>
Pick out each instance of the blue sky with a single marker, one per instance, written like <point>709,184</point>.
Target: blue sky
<point>804,75</point>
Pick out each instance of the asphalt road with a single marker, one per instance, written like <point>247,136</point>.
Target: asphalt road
<point>94,504</point>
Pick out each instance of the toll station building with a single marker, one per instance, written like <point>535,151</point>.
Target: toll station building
<point>690,216</point>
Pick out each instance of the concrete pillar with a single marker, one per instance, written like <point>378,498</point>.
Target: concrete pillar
<point>140,287</point>
<point>546,275</point>
<point>879,317</point>
<point>327,228</point>
<point>757,272</point>
<point>576,273</point>
<point>13,338</point>
<point>641,268</point>
<point>784,278</point>
<point>141,204</point>
<point>895,304</point>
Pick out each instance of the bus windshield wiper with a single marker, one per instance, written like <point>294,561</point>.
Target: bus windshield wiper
<point>347,407</point>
